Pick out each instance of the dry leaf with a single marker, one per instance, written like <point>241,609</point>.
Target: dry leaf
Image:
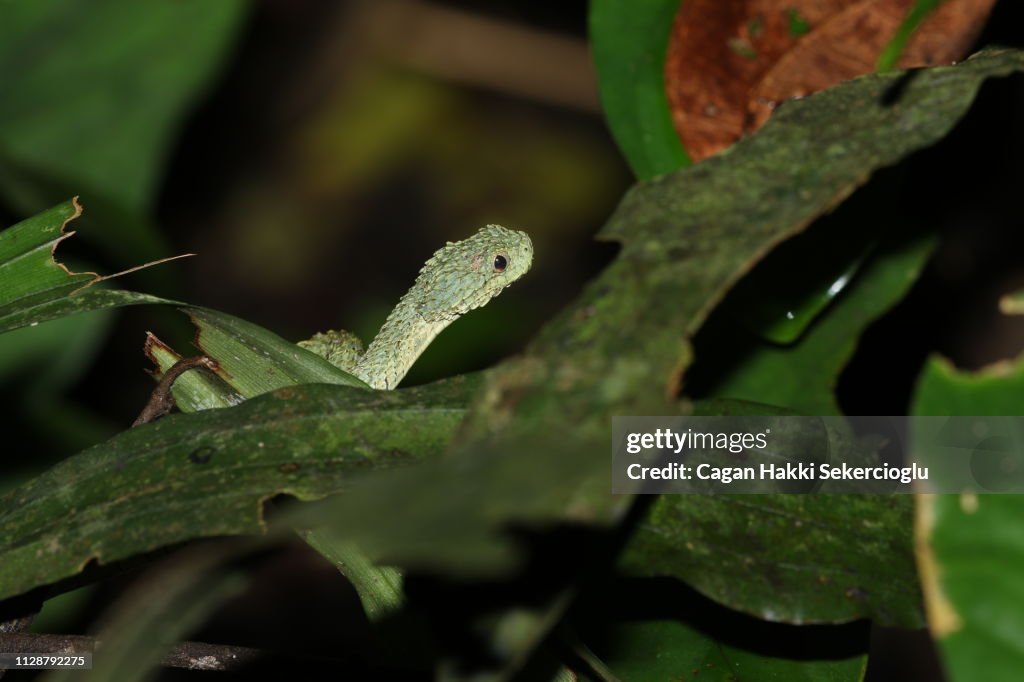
<point>730,63</point>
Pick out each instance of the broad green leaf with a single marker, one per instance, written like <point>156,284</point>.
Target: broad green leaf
<point>35,287</point>
<point>251,361</point>
<point>195,389</point>
<point>94,93</point>
<point>800,280</point>
<point>629,41</point>
<point>944,390</point>
<point>530,449</point>
<point>971,554</point>
<point>664,649</point>
<point>254,360</point>
<point>789,558</point>
<point>802,376</point>
<point>209,473</point>
<point>813,575</point>
<point>970,548</point>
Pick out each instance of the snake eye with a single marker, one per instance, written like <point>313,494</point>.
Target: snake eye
<point>500,263</point>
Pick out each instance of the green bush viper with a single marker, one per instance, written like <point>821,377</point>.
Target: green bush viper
<point>459,277</point>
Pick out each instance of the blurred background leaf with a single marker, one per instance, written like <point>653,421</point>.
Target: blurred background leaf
<point>629,42</point>
<point>669,649</point>
<point>70,70</point>
<point>970,547</point>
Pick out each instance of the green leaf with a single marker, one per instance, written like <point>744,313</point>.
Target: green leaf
<point>787,558</point>
<point>800,280</point>
<point>971,547</point>
<point>629,41</point>
<point>944,390</point>
<point>193,390</point>
<point>639,651</point>
<point>94,94</point>
<point>915,17</point>
<point>807,576</point>
<point>251,361</point>
<point>254,360</point>
<point>802,376</point>
<point>34,287</point>
<point>55,352</point>
<point>209,473</point>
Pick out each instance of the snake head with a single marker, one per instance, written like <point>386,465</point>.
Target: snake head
<point>465,275</point>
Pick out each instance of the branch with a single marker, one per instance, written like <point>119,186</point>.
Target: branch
<point>188,655</point>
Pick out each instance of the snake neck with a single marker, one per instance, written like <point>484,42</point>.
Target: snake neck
<point>404,336</point>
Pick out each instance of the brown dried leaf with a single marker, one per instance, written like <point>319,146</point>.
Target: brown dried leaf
<point>730,63</point>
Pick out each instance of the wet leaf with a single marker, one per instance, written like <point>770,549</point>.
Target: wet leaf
<point>730,63</point>
<point>802,376</point>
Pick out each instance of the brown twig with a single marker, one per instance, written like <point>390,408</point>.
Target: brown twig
<point>188,655</point>
<point>17,625</point>
<point>161,401</point>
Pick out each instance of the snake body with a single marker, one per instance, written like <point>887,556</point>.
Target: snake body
<point>459,277</point>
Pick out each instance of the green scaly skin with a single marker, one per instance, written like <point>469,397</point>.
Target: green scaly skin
<point>458,278</point>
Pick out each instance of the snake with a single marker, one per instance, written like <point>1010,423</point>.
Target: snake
<point>461,276</point>
<point>458,278</point>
